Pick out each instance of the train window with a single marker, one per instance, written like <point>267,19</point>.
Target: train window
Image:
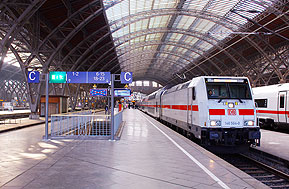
<point>239,91</point>
<point>217,90</point>
<point>185,85</point>
<point>152,96</point>
<point>228,90</point>
<point>282,101</point>
<point>193,93</point>
<point>261,103</point>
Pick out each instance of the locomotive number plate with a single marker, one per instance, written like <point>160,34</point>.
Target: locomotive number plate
<point>232,123</point>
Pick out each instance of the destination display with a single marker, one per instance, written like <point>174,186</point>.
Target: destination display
<point>122,92</point>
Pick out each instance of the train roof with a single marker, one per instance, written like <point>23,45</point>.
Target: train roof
<point>271,88</point>
<point>235,77</point>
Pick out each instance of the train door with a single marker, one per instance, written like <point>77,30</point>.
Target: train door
<point>190,98</point>
<point>282,99</point>
<point>189,107</point>
<point>161,110</point>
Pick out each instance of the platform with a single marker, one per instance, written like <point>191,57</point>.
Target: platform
<point>275,143</point>
<point>148,155</point>
<point>6,112</point>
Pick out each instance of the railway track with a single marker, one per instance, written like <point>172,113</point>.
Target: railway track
<point>260,171</point>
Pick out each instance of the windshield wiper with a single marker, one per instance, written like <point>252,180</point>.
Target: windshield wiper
<point>220,100</point>
<point>240,100</point>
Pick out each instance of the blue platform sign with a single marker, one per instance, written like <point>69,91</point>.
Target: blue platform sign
<point>76,77</point>
<point>122,92</point>
<point>33,77</point>
<point>99,77</point>
<point>98,92</point>
<point>126,77</point>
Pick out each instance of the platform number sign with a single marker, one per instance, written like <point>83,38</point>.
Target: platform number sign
<point>126,77</point>
<point>33,77</point>
<point>99,77</point>
<point>76,77</point>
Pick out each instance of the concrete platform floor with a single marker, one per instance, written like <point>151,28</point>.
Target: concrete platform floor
<point>6,112</point>
<point>149,155</point>
<point>275,143</point>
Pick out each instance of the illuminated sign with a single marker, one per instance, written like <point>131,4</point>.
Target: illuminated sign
<point>57,77</point>
<point>122,92</point>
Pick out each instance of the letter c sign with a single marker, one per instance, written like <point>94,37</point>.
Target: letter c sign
<point>126,77</point>
<point>33,77</point>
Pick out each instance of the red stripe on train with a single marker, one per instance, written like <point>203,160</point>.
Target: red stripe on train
<point>217,111</point>
<point>272,112</point>
<point>246,111</point>
<point>177,107</point>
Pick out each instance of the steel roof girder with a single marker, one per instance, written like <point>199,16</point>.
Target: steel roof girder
<point>124,21</point>
<point>199,52</point>
<point>72,34</point>
<point>67,21</point>
<point>17,26</point>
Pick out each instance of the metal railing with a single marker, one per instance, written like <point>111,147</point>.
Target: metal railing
<point>117,121</point>
<point>85,124</point>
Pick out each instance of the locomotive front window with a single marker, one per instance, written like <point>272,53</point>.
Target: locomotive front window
<point>220,90</point>
<point>241,91</point>
<point>217,90</point>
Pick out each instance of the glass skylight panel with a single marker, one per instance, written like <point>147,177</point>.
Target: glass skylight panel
<point>197,4</point>
<point>203,26</point>
<point>186,22</point>
<point>153,40</point>
<point>206,46</point>
<point>176,36</point>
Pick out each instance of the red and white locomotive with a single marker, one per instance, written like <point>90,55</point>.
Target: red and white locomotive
<point>215,110</point>
<point>272,103</point>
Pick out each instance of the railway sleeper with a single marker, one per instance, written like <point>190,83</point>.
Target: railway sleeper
<point>264,176</point>
<point>254,171</point>
<point>280,186</point>
<point>273,181</point>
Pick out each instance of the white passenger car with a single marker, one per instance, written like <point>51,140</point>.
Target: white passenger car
<point>272,105</point>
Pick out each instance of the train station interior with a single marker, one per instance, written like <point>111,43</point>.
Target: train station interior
<point>144,94</point>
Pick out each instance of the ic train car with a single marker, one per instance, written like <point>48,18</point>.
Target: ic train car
<point>219,111</point>
<point>272,104</point>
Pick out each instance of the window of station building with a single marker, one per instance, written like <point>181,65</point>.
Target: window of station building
<point>138,83</point>
<point>160,85</point>
<point>146,83</point>
<point>261,103</point>
<point>155,84</point>
<point>132,84</point>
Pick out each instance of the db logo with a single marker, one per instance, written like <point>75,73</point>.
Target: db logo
<point>232,112</point>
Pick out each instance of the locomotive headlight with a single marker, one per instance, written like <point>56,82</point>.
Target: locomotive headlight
<point>248,123</point>
<point>231,105</point>
<point>215,123</point>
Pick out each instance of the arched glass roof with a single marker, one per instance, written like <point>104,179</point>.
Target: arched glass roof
<point>164,36</point>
